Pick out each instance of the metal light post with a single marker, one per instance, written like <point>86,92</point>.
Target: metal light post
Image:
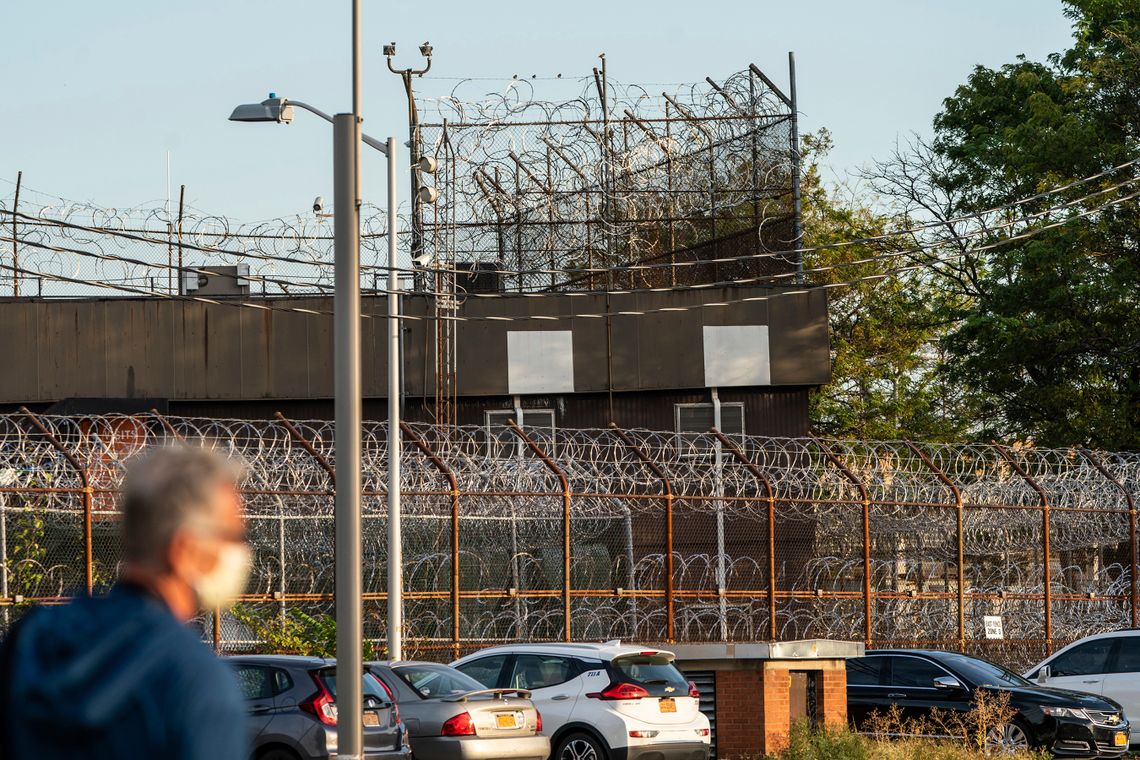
<point>347,401</point>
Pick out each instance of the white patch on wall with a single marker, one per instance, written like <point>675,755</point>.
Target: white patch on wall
<point>540,361</point>
<point>737,355</point>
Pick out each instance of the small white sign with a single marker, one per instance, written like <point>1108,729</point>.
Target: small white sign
<point>540,361</point>
<point>993,626</point>
<point>736,355</point>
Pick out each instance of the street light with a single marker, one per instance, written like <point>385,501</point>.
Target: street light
<point>347,402</point>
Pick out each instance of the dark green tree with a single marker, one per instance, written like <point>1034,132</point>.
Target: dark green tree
<point>1043,300</point>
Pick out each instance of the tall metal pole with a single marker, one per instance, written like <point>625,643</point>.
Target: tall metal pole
<point>347,410</point>
<point>395,545</point>
<point>349,628</point>
<point>797,222</point>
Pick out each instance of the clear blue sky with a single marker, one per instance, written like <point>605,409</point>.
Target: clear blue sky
<point>96,93</point>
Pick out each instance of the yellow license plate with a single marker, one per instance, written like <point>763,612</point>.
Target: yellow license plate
<point>506,720</point>
<point>371,719</point>
<point>668,704</point>
<point>1121,739</point>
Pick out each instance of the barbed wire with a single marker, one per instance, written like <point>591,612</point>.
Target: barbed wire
<point>509,505</point>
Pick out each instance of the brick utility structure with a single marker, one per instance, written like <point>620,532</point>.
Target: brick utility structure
<point>760,689</point>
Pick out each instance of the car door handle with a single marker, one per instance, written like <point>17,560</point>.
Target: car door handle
<point>895,695</point>
<point>559,697</point>
<point>1095,680</point>
<point>260,709</point>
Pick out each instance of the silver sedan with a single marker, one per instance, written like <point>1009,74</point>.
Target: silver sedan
<point>451,716</point>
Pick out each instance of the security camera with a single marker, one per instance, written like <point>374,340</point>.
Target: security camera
<point>390,49</point>
<point>318,204</point>
<point>427,164</point>
<point>427,194</point>
<point>423,260</point>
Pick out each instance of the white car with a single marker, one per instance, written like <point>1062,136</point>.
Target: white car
<point>1107,664</point>
<point>609,701</point>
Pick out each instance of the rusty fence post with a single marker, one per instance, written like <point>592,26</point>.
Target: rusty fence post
<point>88,555</point>
<point>1047,571</point>
<point>453,483</point>
<point>667,493</point>
<point>770,499</point>
<point>322,462</point>
<point>866,500</point>
<point>550,465</point>
<point>1135,565</point>
<point>959,511</point>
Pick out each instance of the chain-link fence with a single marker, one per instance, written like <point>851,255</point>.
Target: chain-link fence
<point>514,534</point>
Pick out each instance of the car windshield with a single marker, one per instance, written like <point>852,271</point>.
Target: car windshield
<point>652,669</point>
<point>984,673</point>
<point>372,687</point>
<point>432,681</point>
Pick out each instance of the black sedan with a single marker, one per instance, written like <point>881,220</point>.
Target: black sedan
<point>1066,723</point>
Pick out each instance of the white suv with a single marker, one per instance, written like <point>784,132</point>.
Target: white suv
<point>601,701</point>
<point>1107,664</point>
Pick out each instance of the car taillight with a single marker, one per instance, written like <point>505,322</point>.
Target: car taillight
<point>702,731</point>
<point>321,705</point>
<point>643,734</point>
<point>621,691</point>
<point>537,722</point>
<point>391,696</point>
<point>459,725</point>
<point>694,692</point>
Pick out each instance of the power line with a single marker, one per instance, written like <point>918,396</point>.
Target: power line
<point>561,317</point>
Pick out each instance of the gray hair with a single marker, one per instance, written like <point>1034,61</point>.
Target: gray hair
<point>164,491</point>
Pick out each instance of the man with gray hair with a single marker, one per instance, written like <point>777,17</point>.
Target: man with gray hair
<point>123,676</point>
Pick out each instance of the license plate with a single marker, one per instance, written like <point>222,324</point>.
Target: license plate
<point>506,720</point>
<point>371,719</point>
<point>668,705</point>
<point>1121,739</point>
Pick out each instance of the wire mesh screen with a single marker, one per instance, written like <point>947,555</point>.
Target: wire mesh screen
<point>550,193</point>
<point>598,534</point>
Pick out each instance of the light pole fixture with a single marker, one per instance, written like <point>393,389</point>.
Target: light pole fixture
<point>347,393</point>
<point>413,137</point>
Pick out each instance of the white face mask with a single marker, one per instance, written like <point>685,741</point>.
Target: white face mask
<point>222,585</point>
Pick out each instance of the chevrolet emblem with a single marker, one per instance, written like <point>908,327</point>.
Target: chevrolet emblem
<point>1112,720</point>
<point>670,689</point>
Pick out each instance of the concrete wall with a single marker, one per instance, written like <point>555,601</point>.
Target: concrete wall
<point>186,350</point>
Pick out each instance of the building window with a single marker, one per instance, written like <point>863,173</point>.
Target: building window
<point>501,440</point>
<point>694,420</point>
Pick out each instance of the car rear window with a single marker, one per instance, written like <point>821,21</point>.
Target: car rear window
<point>372,687</point>
<point>433,681</point>
<point>655,673</point>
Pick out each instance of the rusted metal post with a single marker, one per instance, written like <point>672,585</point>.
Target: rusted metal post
<point>1047,571</point>
<point>453,484</point>
<point>1134,582</point>
<point>770,498</point>
<point>866,499</point>
<point>295,434</point>
<point>550,465</point>
<point>88,558</point>
<point>167,426</point>
<point>16,238</point>
<point>667,493</point>
<point>959,537</point>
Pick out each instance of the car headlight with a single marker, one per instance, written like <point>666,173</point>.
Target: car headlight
<point>1064,712</point>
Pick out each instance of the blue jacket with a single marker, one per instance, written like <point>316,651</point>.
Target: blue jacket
<point>116,677</point>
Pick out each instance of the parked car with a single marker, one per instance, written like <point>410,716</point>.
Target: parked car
<point>293,715</point>
<point>451,716</point>
<point>1066,723</point>
<point>601,701</point>
<point>1107,664</point>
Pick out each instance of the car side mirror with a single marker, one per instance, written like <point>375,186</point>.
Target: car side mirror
<point>947,682</point>
<point>1043,674</point>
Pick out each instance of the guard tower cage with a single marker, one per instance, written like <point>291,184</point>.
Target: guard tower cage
<point>622,187</point>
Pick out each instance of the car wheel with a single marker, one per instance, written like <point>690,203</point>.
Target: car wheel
<point>580,747</point>
<point>277,753</point>
<point>1008,738</point>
